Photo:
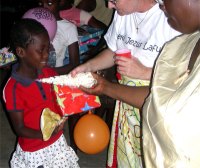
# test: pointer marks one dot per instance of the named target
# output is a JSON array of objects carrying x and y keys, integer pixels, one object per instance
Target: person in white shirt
[{"x": 141, "y": 27}]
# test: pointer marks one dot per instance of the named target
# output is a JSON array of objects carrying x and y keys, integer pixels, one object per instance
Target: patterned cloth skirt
[
  {"x": 125, "y": 148},
  {"x": 57, "y": 155}
]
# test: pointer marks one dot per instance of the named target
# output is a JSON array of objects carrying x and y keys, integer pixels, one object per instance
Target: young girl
[{"x": 25, "y": 98}]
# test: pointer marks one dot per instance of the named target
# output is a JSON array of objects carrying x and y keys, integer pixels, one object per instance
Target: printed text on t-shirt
[{"x": 135, "y": 43}]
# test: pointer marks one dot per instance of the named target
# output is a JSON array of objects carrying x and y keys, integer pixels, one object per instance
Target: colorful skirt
[
  {"x": 58, "y": 154},
  {"x": 125, "y": 147}
]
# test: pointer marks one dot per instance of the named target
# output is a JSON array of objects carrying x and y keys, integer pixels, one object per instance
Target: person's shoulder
[
  {"x": 157, "y": 13},
  {"x": 66, "y": 24},
  {"x": 73, "y": 9},
  {"x": 9, "y": 87},
  {"x": 84, "y": 12},
  {"x": 11, "y": 82},
  {"x": 117, "y": 19},
  {"x": 187, "y": 37},
  {"x": 67, "y": 28},
  {"x": 70, "y": 12}
]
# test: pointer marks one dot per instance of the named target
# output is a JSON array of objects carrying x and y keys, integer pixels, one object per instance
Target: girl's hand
[
  {"x": 132, "y": 68},
  {"x": 60, "y": 126}
]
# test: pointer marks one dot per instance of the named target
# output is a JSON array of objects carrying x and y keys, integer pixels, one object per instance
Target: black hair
[{"x": 22, "y": 32}]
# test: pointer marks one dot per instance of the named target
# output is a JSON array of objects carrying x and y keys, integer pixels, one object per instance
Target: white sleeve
[
  {"x": 66, "y": 34},
  {"x": 84, "y": 17},
  {"x": 72, "y": 34},
  {"x": 111, "y": 35}
]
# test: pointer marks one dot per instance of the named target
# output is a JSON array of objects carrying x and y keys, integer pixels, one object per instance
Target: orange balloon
[{"x": 91, "y": 134}]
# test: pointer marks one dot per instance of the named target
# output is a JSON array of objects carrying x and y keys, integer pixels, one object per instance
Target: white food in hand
[{"x": 85, "y": 79}]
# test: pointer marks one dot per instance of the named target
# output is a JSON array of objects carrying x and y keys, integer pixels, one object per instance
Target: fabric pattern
[
  {"x": 73, "y": 100},
  {"x": 129, "y": 128},
  {"x": 57, "y": 155}
]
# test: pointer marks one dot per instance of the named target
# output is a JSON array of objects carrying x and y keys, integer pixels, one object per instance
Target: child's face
[
  {"x": 35, "y": 56},
  {"x": 52, "y": 5}
]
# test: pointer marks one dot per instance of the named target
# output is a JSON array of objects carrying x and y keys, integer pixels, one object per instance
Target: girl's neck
[
  {"x": 57, "y": 14},
  {"x": 27, "y": 72}
]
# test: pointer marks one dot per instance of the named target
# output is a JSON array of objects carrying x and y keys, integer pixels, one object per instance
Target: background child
[
  {"x": 65, "y": 41},
  {"x": 25, "y": 98},
  {"x": 96, "y": 8},
  {"x": 77, "y": 16}
]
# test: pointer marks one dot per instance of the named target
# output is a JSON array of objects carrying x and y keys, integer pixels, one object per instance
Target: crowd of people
[
  {"x": 155, "y": 123},
  {"x": 170, "y": 122}
]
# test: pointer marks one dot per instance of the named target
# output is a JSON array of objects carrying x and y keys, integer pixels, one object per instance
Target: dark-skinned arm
[
  {"x": 87, "y": 5},
  {"x": 74, "y": 59},
  {"x": 93, "y": 22},
  {"x": 17, "y": 119},
  {"x": 22, "y": 131},
  {"x": 129, "y": 94},
  {"x": 94, "y": 50}
]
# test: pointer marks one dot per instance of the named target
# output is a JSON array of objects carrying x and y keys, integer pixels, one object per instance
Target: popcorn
[
  {"x": 6, "y": 57},
  {"x": 85, "y": 79}
]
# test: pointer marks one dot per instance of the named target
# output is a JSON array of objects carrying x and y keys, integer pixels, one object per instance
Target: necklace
[{"x": 137, "y": 24}]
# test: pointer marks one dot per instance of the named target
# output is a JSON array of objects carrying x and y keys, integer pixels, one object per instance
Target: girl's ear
[{"x": 20, "y": 52}]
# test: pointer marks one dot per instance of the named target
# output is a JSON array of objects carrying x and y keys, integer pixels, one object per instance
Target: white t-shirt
[
  {"x": 145, "y": 44},
  {"x": 66, "y": 34}
]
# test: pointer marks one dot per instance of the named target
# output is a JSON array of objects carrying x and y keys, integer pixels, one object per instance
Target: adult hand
[
  {"x": 98, "y": 88},
  {"x": 132, "y": 68},
  {"x": 101, "y": 61},
  {"x": 81, "y": 68},
  {"x": 119, "y": 92}
]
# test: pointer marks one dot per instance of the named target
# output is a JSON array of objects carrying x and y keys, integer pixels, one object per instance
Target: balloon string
[{"x": 89, "y": 112}]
